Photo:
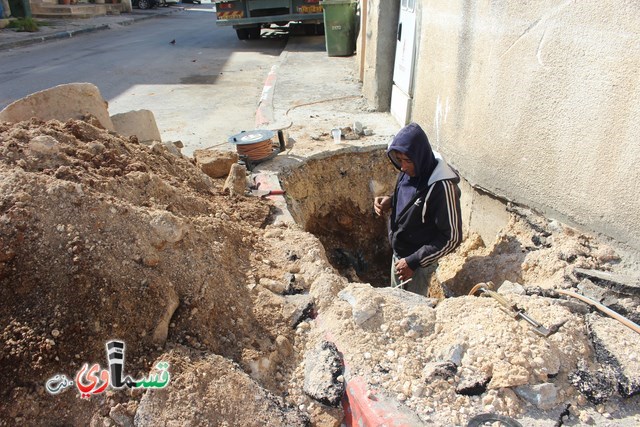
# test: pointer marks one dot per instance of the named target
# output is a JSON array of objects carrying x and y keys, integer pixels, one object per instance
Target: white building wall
[{"x": 538, "y": 102}]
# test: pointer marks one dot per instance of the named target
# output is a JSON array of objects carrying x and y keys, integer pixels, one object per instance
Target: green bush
[{"x": 24, "y": 24}]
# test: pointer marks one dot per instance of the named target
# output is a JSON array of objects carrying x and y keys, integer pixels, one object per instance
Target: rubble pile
[{"x": 104, "y": 238}]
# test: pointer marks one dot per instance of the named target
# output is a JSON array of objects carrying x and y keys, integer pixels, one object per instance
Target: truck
[{"x": 248, "y": 17}]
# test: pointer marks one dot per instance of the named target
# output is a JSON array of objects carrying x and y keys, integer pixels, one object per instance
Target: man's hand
[
  {"x": 403, "y": 270},
  {"x": 381, "y": 204}
]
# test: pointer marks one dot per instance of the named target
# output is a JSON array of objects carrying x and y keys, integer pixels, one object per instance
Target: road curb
[
  {"x": 265, "y": 116},
  {"x": 83, "y": 30},
  {"x": 264, "y": 112}
]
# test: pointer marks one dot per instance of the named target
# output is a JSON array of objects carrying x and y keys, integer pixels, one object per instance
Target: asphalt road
[{"x": 202, "y": 89}]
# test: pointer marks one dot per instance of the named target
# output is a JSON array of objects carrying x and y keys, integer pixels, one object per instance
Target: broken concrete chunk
[
  {"x": 409, "y": 298},
  {"x": 362, "y": 307},
  {"x": 616, "y": 347},
  {"x": 236, "y": 183},
  {"x": 295, "y": 285},
  {"x": 508, "y": 287},
  {"x": 297, "y": 308},
  {"x": 215, "y": 163},
  {"x": 224, "y": 395},
  {"x": 121, "y": 416},
  {"x": 325, "y": 288},
  {"x": 454, "y": 354},
  {"x": 140, "y": 123},
  {"x": 158, "y": 147},
  {"x": 590, "y": 290},
  {"x": 442, "y": 370},
  {"x": 619, "y": 283},
  {"x": 596, "y": 386},
  {"x": 544, "y": 396},
  {"x": 358, "y": 128},
  {"x": 173, "y": 148},
  {"x": 323, "y": 380},
  {"x": 472, "y": 383},
  {"x": 63, "y": 102}
]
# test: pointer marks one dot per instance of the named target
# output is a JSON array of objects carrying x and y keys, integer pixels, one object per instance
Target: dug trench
[
  {"x": 105, "y": 238},
  {"x": 332, "y": 198}
]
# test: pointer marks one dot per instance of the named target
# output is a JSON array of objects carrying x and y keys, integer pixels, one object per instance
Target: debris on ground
[{"x": 104, "y": 238}]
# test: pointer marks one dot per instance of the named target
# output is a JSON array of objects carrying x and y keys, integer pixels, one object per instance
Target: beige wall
[
  {"x": 377, "y": 43},
  {"x": 539, "y": 103}
]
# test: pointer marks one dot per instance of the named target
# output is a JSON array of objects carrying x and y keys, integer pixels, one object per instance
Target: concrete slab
[{"x": 63, "y": 102}]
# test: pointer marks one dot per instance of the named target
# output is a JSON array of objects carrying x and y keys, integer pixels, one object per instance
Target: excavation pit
[{"x": 332, "y": 198}]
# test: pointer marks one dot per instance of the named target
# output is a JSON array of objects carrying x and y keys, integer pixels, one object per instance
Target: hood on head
[{"x": 413, "y": 142}]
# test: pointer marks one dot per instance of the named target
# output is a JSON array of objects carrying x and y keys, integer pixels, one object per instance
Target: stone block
[
  {"x": 236, "y": 183},
  {"x": 140, "y": 123},
  {"x": 544, "y": 396},
  {"x": 508, "y": 287},
  {"x": 215, "y": 163},
  {"x": 63, "y": 102}
]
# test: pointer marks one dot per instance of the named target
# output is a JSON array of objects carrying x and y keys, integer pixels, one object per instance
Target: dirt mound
[{"x": 106, "y": 238}]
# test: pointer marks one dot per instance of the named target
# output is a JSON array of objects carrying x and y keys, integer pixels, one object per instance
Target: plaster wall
[
  {"x": 380, "y": 46},
  {"x": 538, "y": 103}
]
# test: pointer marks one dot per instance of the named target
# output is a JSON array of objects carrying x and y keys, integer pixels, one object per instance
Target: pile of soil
[{"x": 104, "y": 238}]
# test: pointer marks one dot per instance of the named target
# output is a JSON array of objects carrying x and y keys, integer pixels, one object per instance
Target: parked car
[{"x": 144, "y": 4}]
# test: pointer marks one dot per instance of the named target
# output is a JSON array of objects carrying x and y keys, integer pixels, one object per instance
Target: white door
[{"x": 402, "y": 91}]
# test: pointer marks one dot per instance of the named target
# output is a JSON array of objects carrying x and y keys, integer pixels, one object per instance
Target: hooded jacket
[{"x": 425, "y": 222}]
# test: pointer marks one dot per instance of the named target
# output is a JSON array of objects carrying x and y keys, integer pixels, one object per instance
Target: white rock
[{"x": 362, "y": 308}]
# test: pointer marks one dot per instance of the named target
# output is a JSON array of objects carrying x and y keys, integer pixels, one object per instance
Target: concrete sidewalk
[
  {"x": 65, "y": 28},
  {"x": 309, "y": 93}
]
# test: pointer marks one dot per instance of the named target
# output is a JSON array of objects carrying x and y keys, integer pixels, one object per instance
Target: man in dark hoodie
[{"x": 425, "y": 222}]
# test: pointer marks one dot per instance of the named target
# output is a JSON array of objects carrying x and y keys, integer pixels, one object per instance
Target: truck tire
[
  {"x": 248, "y": 33},
  {"x": 313, "y": 29},
  {"x": 242, "y": 33},
  {"x": 254, "y": 33}
]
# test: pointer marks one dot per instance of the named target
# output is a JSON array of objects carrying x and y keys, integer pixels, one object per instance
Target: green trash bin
[{"x": 340, "y": 26}]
